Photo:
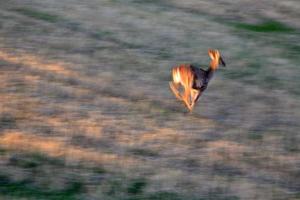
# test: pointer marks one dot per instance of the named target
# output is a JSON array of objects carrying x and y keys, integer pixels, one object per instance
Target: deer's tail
[{"x": 176, "y": 75}]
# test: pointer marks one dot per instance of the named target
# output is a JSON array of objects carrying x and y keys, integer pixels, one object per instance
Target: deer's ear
[
  {"x": 217, "y": 54},
  {"x": 211, "y": 54}
]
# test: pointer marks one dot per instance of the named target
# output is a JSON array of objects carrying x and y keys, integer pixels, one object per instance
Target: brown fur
[{"x": 184, "y": 76}]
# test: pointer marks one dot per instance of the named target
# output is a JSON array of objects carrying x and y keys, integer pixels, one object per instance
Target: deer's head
[{"x": 216, "y": 58}]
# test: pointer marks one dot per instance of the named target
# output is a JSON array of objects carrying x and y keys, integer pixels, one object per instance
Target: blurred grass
[
  {"x": 37, "y": 14},
  {"x": 101, "y": 34},
  {"x": 257, "y": 136},
  {"x": 7, "y": 121},
  {"x": 164, "y": 195},
  {"x": 35, "y": 184},
  {"x": 32, "y": 160},
  {"x": 135, "y": 191},
  {"x": 127, "y": 46},
  {"x": 136, "y": 186},
  {"x": 244, "y": 72},
  {"x": 23, "y": 189},
  {"x": 143, "y": 152},
  {"x": 2, "y": 151},
  {"x": 291, "y": 144}
]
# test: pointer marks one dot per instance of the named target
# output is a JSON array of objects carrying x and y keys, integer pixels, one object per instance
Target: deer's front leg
[
  {"x": 187, "y": 100},
  {"x": 195, "y": 94}
]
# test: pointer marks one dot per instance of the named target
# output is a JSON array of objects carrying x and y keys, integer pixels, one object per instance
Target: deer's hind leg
[
  {"x": 184, "y": 98},
  {"x": 174, "y": 89}
]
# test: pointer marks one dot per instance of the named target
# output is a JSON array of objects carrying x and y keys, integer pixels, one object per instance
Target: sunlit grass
[{"x": 96, "y": 128}]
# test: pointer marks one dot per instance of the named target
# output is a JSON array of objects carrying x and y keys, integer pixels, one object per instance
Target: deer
[{"x": 193, "y": 79}]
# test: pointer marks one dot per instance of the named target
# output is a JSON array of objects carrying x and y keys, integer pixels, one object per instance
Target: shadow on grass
[
  {"x": 256, "y": 136},
  {"x": 7, "y": 121},
  {"x": 33, "y": 160},
  {"x": 158, "y": 196},
  {"x": 134, "y": 189},
  {"x": 136, "y": 186},
  {"x": 2, "y": 151},
  {"x": 143, "y": 152}
]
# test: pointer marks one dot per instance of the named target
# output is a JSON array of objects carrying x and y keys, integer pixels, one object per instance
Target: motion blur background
[{"x": 86, "y": 111}]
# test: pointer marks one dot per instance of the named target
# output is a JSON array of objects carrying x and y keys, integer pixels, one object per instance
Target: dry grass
[{"x": 86, "y": 112}]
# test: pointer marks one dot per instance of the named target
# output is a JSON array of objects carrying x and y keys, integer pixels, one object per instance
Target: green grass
[
  {"x": 292, "y": 49},
  {"x": 164, "y": 54},
  {"x": 23, "y": 189},
  {"x": 110, "y": 36},
  {"x": 226, "y": 170},
  {"x": 268, "y": 26},
  {"x": 250, "y": 69},
  {"x": 219, "y": 194},
  {"x": 40, "y": 15},
  {"x": 100, "y": 35},
  {"x": 135, "y": 189},
  {"x": 291, "y": 144},
  {"x": 272, "y": 82},
  {"x": 137, "y": 186},
  {"x": 255, "y": 136},
  {"x": 2, "y": 151},
  {"x": 113, "y": 187},
  {"x": 147, "y": 1},
  {"x": 164, "y": 195},
  {"x": 158, "y": 196},
  {"x": 99, "y": 170}
]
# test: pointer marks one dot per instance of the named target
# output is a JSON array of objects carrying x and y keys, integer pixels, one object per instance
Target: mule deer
[{"x": 194, "y": 80}]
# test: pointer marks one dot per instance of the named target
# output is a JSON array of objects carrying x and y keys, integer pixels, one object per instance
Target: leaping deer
[{"x": 194, "y": 80}]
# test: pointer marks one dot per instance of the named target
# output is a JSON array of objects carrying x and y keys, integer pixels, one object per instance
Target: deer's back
[{"x": 201, "y": 78}]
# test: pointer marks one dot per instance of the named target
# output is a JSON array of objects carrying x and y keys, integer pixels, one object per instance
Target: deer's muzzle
[{"x": 222, "y": 62}]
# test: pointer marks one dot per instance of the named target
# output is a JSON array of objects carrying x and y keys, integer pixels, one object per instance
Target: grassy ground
[{"x": 86, "y": 112}]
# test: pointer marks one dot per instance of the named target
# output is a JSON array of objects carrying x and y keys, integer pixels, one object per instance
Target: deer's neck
[
  {"x": 212, "y": 68},
  {"x": 214, "y": 64},
  {"x": 210, "y": 72}
]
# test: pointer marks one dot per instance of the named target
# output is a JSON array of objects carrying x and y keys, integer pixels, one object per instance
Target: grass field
[{"x": 86, "y": 111}]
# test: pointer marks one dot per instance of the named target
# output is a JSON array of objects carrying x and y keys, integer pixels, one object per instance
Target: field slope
[{"x": 86, "y": 112}]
